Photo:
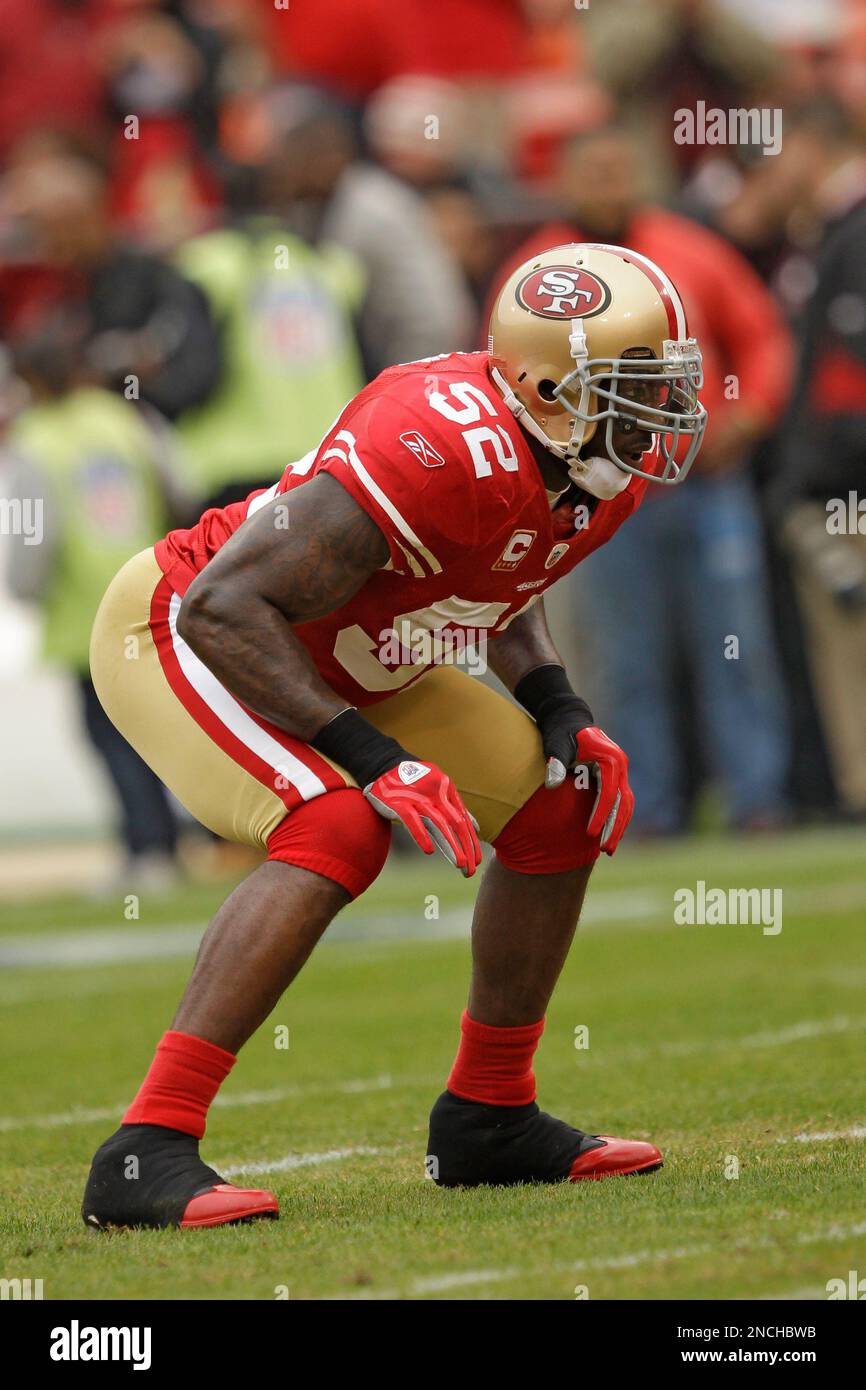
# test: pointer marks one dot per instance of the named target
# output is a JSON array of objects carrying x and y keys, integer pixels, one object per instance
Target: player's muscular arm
[
  {"x": 301, "y": 556},
  {"x": 525, "y": 644}
]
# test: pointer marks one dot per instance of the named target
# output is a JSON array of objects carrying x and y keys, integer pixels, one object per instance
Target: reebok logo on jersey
[
  {"x": 411, "y": 772},
  {"x": 422, "y": 449}
]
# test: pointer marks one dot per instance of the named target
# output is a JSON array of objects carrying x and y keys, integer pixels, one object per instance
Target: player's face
[{"x": 628, "y": 440}]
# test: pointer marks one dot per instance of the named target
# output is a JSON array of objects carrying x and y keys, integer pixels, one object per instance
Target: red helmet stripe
[{"x": 667, "y": 290}]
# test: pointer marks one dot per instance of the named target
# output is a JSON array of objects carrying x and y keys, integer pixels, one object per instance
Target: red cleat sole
[
  {"x": 620, "y": 1158},
  {"x": 226, "y": 1204}
]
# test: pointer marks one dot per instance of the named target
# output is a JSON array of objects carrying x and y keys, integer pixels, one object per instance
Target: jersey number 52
[{"x": 482, "y": 441}]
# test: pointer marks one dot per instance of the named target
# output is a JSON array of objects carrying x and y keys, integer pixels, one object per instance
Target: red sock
[
  {"x": 183, "y": 1079},
  {"x": 494, "y": 1065}
]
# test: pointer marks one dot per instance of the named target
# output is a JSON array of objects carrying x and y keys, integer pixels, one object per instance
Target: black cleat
[
  {"x": 146, "y": 1175},
  {"x": 471, "y": 1143}
]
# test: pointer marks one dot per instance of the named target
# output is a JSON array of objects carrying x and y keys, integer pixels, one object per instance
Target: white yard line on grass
[
  {"x": 267, "y": 1097},
  {"x": 780, "y": 1037},
  {"x": 834, "y": 1232},
  {"x": 626, "y": 910},
  {"x": 797, "y": 1032},
  {"x": 102, "y": 946},
  {"x": 442, "y": 1283},
  {"x": 68, "y": 1117},
  {"x": 285, "y": 1165},
  {"x": 19, "y": 989},
  {"x": 826, "y": 1136},
  {"x": 227, "y": 1102}
]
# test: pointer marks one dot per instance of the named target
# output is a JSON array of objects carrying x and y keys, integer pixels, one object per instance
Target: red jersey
[{"x": 433, "y": 455}]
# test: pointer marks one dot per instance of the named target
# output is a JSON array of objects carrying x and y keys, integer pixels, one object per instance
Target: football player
[{"x": 446, "y": 498}]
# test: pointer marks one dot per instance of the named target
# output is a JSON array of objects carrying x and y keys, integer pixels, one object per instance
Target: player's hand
[
  {"x": 429, "y": 805},
  {"x": 608, "y": 764}
]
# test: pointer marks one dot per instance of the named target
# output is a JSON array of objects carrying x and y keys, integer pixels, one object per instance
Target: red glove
[
  {"x": 429, "y": 805},
  {"x": 614, "y": 803}
]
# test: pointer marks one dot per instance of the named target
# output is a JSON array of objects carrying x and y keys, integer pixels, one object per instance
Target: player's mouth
[
  {"x": 629, "y": 446},
  {"x": 634, "y": 455}
]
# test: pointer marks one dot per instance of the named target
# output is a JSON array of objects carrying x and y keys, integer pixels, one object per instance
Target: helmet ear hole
[{"x": 547, "y": 389}]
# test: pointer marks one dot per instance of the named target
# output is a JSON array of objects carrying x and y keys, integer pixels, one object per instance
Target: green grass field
[{"x": 730, "y": 1048}]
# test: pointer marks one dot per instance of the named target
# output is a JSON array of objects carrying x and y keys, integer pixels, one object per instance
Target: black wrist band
[
  {"x": 352, "y": 741},
  {"x": 547, "y": 689}
]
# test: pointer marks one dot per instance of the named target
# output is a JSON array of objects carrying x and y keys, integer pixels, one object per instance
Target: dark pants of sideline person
[{"x": 148, "y": 823}]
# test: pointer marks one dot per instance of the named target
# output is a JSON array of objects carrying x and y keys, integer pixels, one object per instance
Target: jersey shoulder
[
  {"x": 439, "y": 431},
  {"x": 431, "y": 452}
]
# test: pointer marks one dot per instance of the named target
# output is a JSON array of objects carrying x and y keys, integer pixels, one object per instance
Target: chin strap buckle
[{"x": 577, "y": 342}]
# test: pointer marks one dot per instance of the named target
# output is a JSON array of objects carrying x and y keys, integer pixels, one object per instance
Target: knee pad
[
  {"x": 337, "y": 835},
  {"x": 548, "y": 834}
]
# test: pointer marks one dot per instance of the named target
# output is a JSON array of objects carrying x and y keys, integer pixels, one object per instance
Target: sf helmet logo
[{"x": 563, "y": 292}]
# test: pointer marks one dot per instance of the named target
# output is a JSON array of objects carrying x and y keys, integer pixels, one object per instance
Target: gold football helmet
[{"x": 587, "y": 334}]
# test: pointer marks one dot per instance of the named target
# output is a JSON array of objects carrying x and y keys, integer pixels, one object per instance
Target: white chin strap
[
  {"x": 569, "y": 452},
  {"x": 520, "y": 412},
  {"x": 599, "y": 477}
]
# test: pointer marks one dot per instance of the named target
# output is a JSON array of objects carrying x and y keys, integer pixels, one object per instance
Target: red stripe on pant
[{"x": 217, "y": 731}]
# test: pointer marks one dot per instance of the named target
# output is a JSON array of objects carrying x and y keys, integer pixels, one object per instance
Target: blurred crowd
[{"x": 219, "y": 218}]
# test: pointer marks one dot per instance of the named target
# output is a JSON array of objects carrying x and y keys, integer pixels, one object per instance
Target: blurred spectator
[
  {"x": 50, "y": 65},
  {"x": 558, "y": 94},
  {"x": 687, "y": 574},
  {"x": 822, "y": 448},
  {"x": 418, "y": 128},
  {"x": 463, "y": 222},
  {"x": 354, "y": 46},
  {"x": 162, "y": 98},
  {"x": 312, "y": 180},
  {"x": 87, "y": 472},
  {"x": 286, "y": 311},
  {"x": 424, "y": 130},
  {"x": 658, "y": 58},
  {"x": 151, "y": 332}
]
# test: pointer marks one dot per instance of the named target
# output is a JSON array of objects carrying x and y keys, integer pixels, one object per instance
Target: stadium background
[{"x": 170, "y": 150}]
